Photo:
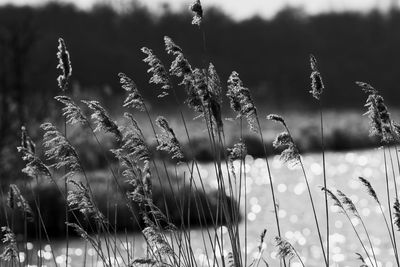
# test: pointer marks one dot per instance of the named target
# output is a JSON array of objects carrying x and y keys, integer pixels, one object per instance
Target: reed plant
[{"x": 169, "y": 243}]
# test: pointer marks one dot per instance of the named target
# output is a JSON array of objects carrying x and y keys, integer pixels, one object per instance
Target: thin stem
[
  {"x": 390, "y": 209},
  {"x": 324, "y": 173}
]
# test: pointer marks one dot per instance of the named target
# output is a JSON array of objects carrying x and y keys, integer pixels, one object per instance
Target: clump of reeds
[{"x": 166, "y": 245}]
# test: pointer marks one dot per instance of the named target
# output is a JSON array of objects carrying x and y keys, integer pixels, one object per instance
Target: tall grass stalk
[
  {"x": 292, "y": 155},
  {"x": 351, "y": 208},
  {"x": 317, "y": 88},
  {"x": 390, "y": 208},
  {"x": 343, "y": 210},
  {"x": 373, "y": 194}
]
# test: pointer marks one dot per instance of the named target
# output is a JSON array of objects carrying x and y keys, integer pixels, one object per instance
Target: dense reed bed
[{"x": 135, "y": 175}]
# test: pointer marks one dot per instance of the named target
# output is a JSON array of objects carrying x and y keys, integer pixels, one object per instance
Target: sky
[{"x": 241, "y": 9}]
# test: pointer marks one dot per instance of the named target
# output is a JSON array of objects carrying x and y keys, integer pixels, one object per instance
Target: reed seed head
[
  {"x": 158, "y": 71},
  {"x": 80, "y": 199},
  {"x": 16, "y": 200},
  {"x": 370, "y": 189},
  {"x": 64, "y": 64},
  {"x": 291, "y": 153},
  {"x": 317, "y": 85},
  {"x": 380, "y": 123},
  {"x": 103, "y": 120},
  {"x": 134, "y": 98},
  {"x": 197, "y": 9},
  {"x": 10, "y": 249},
  {"x": 59, "y": 149},
  {"x": 71, "y": 111},
  {"x": 276, "y": 118},
  {"x": 396, "y": 219},
  {"x": 285, "y": 249},
  {"x": 167, "y": 139},
  {"x": 241, "y": 100}
]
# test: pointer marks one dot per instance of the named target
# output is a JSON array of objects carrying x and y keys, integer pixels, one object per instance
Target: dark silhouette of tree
[{"x": 270, "y": 55}]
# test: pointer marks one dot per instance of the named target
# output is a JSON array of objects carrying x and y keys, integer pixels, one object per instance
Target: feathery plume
[
  {"x": 34, "y": 166},
  {"x": 157, "y": 244},
  {"x": 214, "y": 83},
  {"x": 239, "y": 151},
  {"x": 291, "y": 153},
  {"x": 396, "y": 129},
  {"x": 262, "y": 237},
  {"x": 143, "y": 261},
  {"x": 167, "y": 139},
  {"x": 102, "y": 120},
  {"x": 79, "y": 199},
  {"x": 369, "y": 188},
  {"x": 16, "y": 200},
  {"x": 361, "y": 258},
  {"x": 10, "y": 249},
  {"x": 159, "y": 73},
  {"x": 276, "y": 118},
  {"x": 241, "y": 101},
  {"x": 367, "y": 88},
  {"x": 180, "y": 67},
  {"x": 196, "y": 8},
  {"x": 146, "y": 180},
  {"x": 204, "y": 94},
  {"x": 198, "y": 94},
  {"x": 335, "y": 199},
  {"x": 64, "y": 64},
  {"x": 133, "y": 142},
  {"x": 85, "y": 236},
  {"x": 171, "y": 47},
  {"x": 215, "y": 91},
  {"x": 59, "y": 149},
  {"x": 71, "y": 111},
  {"x": 348, "y": 203},
  {"x": 134, "y": 98},
  {"x": 26, "y": 141},
  {"x": 317, "y": 86},
  {"x": 285, "y": 250},
  {"x": 396, "y": 207},
  {"x": 380, "y": 123},
  {"x": 230, "y": 261}
]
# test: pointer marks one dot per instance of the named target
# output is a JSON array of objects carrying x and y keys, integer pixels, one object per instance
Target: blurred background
[{"x": 267, "y": 42}]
